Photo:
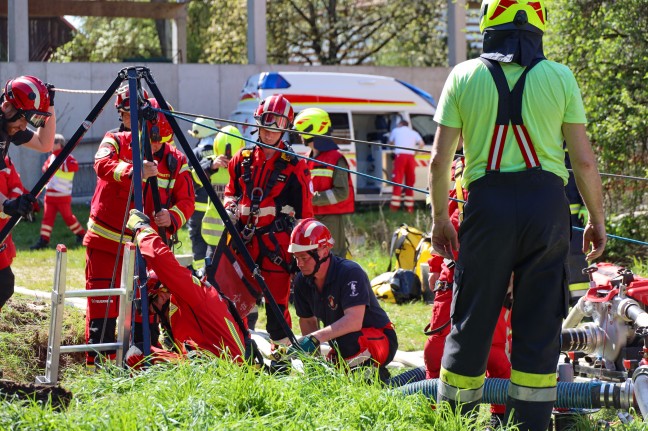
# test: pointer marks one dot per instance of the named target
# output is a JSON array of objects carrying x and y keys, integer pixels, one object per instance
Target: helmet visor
[
  {"x": 37, "y": 118},
  {"x": 270, "y": 119}
]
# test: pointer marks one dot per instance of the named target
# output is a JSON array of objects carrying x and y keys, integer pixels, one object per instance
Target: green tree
[
  {"x": 606, "y": 45},
  {"x": 217, "y": 31},
  {"x": 111, "y": 40},
  {"x": 421, "y": 40},
  {"x": 351, "y": 32}
]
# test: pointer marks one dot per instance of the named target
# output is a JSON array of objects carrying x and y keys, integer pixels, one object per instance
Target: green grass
[{"x": 211, "y": 394}]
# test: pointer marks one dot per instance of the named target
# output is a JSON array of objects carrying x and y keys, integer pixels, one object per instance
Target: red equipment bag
[{"x": 231, "y": 276}]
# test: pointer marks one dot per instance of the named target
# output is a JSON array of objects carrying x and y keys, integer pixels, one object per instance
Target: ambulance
[{"x": 363, "y": 110}]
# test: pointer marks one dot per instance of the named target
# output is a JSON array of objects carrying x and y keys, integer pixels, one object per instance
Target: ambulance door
[
  {"x": 426, "y": 126},
  {"x": 373, "y": 129}
]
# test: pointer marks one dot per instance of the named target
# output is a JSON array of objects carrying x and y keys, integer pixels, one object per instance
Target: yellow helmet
[
  {"x": 313, "y": 120},
  {"x": 514, "y": 14},
  {"x": 225, "y": 139}
]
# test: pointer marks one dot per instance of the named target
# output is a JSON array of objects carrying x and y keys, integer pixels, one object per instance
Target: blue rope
[{"x": 426, "y": 192}]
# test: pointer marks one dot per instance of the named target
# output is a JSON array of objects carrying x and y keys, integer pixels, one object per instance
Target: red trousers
[
  {"x": 61, "y": 205},
  {"x": 498, "y": 366},
  {"x": 404, "y": 168}
]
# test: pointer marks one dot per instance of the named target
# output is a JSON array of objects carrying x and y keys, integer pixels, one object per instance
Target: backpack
[
  {"x": 423, "y": 253},
  {"x": 397, "y": 287},
  {"x": 403, "y": 245}
]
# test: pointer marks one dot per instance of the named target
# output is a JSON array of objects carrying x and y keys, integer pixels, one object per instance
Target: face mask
[{"x": 22, "y": 137}]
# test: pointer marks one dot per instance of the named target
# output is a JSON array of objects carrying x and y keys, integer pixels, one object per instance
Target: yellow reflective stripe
[
  {"x": 180, "y": 214},
  {"x": 68, "y": 176},
  {"x": 463, "y": 382},
  {"x": 200, "y": 206},
  {"x": 112, "y": 142},
  {"x": 119, "y": 170},
  {"x": 144, "y": 232},
  {"x": 532, "y": 394},
  {"x": 166, "y": 183},
  {"x": 533, "y": 380},
  {"x": 579, "y": 286},
  {"x": 460, "y": 395},
  {"x": 196, "y": 281},
  {"x": 321, "y": 173},
  {"x": 106, "y": 233},
  {"x": 184, "y": 167},
  {"x": 195, "y": 177},
  {"x": 574, "y": 208},
  {"x": 235, "y": 335}
]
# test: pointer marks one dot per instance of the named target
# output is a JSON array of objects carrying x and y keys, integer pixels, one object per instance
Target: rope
[
  {"x": 67, "y": 90},
  {"x": 178, "y": 114}
]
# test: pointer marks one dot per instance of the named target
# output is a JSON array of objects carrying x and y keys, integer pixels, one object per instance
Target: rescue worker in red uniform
[
  {"x": 336, "y": 291},
  {"x": 267, "y": 191},
  {"x": 407, "y": 140},
  {"x": 58, "y": 197},
  {"x": 197, "y": 317},
  {"x": 441, "y": 278},
  {"x": 333, "y": 195},
  {"x": 108, "y": 212},
  {"x": 26, "y": 100},
  {"x": 11, "y": 188}
]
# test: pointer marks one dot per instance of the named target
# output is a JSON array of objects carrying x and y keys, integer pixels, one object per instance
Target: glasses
[
  {"x": 35, "y": 118},
  {"x": 270, "y": 119}
]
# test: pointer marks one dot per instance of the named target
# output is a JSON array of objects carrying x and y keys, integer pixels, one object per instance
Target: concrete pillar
[
  {"x": 456, "y": 32},
  {"x": 179, "y": 36},
  {"x": 18, "y": 30},
  {"x": 256, "y": 32}
]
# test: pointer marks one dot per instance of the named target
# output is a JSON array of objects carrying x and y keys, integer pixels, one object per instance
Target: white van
[{"x": 363, "y": 107}]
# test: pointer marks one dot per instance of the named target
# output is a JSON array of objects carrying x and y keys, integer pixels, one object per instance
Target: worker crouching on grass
[
  {"x": 198, "y": 316},
  {"x": 336, "y": 291}
]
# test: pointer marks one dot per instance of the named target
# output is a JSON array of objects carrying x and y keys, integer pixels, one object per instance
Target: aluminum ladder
[{"x": 125, "y": 292}]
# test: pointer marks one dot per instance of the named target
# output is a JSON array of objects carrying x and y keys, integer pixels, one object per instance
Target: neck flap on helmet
[
  {"x": 512, "y": 46},
  {"x": 324, "y": 143}
]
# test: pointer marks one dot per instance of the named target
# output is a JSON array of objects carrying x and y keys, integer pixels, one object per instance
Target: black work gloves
[{"x": 20, "y": 206}]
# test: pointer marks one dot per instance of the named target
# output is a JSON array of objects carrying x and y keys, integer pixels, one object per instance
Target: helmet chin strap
[{"x": 318, "y": 262}]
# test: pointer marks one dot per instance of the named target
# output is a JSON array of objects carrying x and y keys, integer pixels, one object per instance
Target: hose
[{"x": 590, "y": 395}]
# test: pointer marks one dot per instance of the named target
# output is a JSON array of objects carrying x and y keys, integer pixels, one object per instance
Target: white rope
[{"x": 67, "y": 90}]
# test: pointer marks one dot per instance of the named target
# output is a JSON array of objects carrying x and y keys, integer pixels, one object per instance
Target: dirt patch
[
  {"x": 24, "y": 324},
  {"x": 59, "y": 397}
]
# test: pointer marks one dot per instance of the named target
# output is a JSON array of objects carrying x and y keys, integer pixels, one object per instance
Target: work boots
[{"x": 40, "y": 244}]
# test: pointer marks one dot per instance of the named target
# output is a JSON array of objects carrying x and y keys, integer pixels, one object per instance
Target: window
[{"x": 425, "y": 125}]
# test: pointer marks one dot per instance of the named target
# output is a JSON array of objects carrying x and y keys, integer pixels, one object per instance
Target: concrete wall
[{"x": 205, "y": 89}]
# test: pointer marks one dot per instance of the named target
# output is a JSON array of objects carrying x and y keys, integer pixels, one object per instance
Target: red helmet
[
  {"x": 29, "y": 95},
  {"x": 122, "y": 102},
  {"x": 310, "y": 234},
  {"x": 275, "y": 111},
  {"x": 160, "y": 129}
]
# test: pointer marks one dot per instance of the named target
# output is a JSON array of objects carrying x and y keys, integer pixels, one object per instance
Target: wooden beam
[{"x": 111, "y": 9}]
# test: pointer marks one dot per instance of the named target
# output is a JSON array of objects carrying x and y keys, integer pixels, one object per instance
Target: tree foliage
[
  {"x": 217, "y": 32},
  {"x": 354, "y": 32},
  {"x": 111, "y": 40},
  {"x": 606, "y": 45}
]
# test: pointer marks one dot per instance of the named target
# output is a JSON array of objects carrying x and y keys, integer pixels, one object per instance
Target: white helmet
[{"x": 202, "y": 128}]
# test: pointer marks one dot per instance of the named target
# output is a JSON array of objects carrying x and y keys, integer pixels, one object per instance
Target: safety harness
[
  {"x": 509, "y": 110},
  {"x": 282, "y": 222}
]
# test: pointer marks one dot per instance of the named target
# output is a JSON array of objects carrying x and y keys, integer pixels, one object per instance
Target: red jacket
[
  {"x": 10, "y": 187},
  {"x": 114, "y": 166},
  {"x": 290, "y": 194},
  {"x": 198, "y": 314},
  {"x": 323, "y": 175}
]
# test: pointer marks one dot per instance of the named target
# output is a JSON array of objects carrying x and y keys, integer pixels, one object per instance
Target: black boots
[{"x": 40, "y": 244}]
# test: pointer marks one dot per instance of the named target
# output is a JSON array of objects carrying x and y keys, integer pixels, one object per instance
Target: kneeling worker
[
  {"x": 198, "y": 316},
  {"x": 337, "y": 292}
]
